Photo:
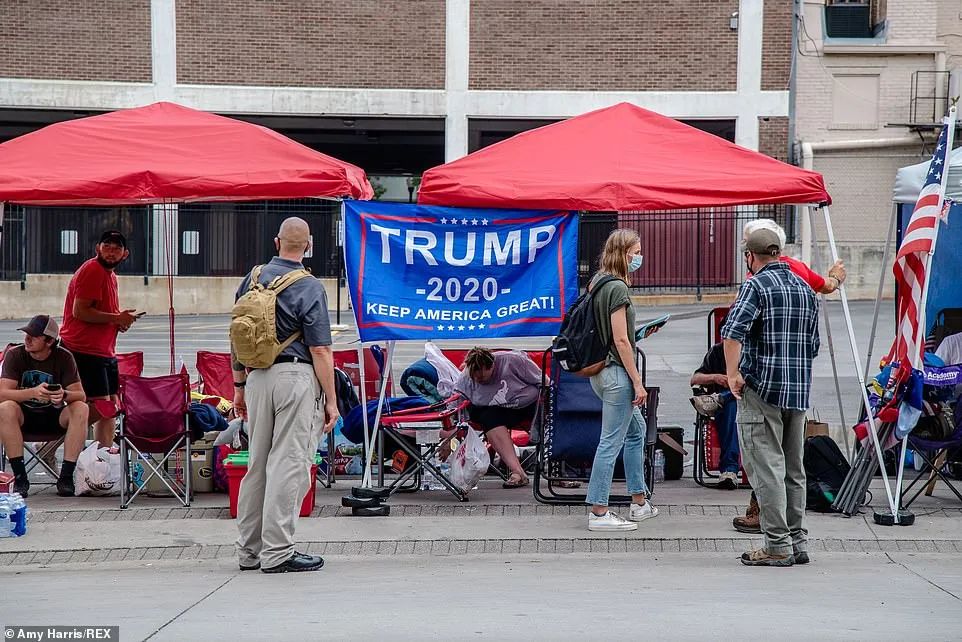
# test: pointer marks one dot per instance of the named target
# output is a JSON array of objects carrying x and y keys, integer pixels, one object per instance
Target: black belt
[{"x": 287, "y": 358}]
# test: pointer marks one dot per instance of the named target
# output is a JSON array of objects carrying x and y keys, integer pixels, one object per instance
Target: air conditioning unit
[{"x": 848, "y": 20}]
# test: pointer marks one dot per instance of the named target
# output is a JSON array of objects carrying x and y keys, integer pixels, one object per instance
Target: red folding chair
[
  {"x": 130, "y": 364},
  {"x": 154, "y": 423},
  {"x": 215, "y": 373},
  {"x": 347, "y": 361}
]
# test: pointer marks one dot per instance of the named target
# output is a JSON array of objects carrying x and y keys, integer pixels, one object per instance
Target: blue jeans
[
  {"x": 727, "y": 429},
  {"x": 621, "y": 425}
]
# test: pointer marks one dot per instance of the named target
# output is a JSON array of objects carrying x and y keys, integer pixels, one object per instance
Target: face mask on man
[{"x": 635, "y": 262}]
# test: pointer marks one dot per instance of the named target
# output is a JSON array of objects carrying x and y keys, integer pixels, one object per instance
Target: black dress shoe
[
  {"x": 21, "y": 485},
  {"x": 297, "y": 563},
  {"x": 65, "y": 487}
]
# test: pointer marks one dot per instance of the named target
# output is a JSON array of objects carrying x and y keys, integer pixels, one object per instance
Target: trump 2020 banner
[{"x": 426, "y": 272}]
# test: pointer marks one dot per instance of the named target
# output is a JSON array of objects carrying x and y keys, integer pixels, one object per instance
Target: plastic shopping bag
[
  {"x": 448, "y": 373},
  {"x": 98, "y": 471},
  {"x": 469, "y": 461}
]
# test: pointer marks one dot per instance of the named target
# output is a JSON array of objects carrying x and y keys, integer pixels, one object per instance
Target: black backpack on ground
[
  {"x": 578, "y": 347},
  {"x": 825, "y": 470}
]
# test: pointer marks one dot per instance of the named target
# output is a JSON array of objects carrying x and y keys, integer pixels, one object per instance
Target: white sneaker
[
  {"x": 641, "y": 513},
  {"x": 609, "y": 522}
]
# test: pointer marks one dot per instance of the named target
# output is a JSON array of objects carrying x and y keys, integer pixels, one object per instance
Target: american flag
[{"x": 910, "y": 263}]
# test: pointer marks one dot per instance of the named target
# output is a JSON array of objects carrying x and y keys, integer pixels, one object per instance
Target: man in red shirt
[{"x": 91, "y": 319}]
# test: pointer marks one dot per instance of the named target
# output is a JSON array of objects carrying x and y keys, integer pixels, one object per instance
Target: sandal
[{"x": 515, "y": 481}]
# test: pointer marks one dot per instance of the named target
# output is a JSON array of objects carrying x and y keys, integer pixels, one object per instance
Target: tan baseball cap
[{"x": 763, "y": 241}]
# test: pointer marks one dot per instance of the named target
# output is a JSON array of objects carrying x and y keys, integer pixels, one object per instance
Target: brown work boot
[
  {"x": 761, "y": 557},
  {"x": 749, "y": 523}
]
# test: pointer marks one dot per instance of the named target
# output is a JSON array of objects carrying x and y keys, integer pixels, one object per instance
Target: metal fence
[
  {"x": 210, "y": 239},
  {"x": 685, "y": 250}
]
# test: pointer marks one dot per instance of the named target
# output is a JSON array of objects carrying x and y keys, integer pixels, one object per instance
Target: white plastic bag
[
  {"x": 469, "y": 461},
  {"x": 98, "y": 471},
  {"x": 448, "y": 373}
]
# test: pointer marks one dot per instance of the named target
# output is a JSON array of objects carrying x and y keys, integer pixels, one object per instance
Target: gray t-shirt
[
  {"x": 514, "y": 383},
  {"x": 301, "y": 306}
]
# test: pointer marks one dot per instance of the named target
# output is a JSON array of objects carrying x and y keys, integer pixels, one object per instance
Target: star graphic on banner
[
  {"x": 471, "y": 327},
  {"x": 481, "y": 326},
  {"x": 440, "y": 327},
  {"x": 939, "y": 148},
  {"x": 484, "y": 221},
  {"x": 451, "y": 327},
  {"x": 938, "y": 175},
  {"x": 461, "y": 327},
  {"x": 464, "y": 221},
  {"x": 444, "y": 221},
  {"x": 937, "y": 161},
  {"x": 474, "y": 221},
  {"x": 454, "y": 221}
]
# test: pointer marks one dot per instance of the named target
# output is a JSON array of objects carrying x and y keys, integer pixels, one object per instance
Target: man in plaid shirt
[{"x": 770, "y": 338}]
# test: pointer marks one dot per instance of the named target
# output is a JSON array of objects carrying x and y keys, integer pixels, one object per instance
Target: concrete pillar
[{"x": 456, "y": 69}]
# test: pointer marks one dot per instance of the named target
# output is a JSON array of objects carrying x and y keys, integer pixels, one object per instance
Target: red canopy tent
[
  {"x": 619, "y": 158},
  {"x": 165, "y": 153}
]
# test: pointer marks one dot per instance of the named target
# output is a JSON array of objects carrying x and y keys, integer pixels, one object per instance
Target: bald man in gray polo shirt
[{"x": 287, "y": 413}]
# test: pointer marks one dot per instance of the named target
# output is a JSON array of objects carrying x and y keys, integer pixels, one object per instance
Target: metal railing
[
  {"x": 685, "y": 250},
  {"x": 206, "y": 239}
]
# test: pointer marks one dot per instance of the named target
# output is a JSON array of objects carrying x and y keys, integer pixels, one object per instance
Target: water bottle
[
  {"x": 659, "y": 465},
  {"x": 18, "y": 514},
  {"x": 6, "y": 524}
]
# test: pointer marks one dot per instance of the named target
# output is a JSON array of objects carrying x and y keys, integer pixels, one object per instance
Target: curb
[{"x": 446, "y": 547}]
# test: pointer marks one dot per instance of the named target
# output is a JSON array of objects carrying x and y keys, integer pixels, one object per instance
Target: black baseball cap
[
  {"x": 114, "y": 236},
  {"x": 42, "y": 326}
]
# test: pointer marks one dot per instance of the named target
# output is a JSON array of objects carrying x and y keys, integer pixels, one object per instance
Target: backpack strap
[
  {"x": 255, "y": 277},
  {"x": 281, "y": 283},
  {"x": 604, "y": 280},
  {"x": 278, "y": 285}
]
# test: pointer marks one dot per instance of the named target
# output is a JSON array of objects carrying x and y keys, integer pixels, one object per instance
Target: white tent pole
[
  {"x": 366, "y": 479},
  {"x": 831, "y": 345},
  {"x": 881, "y": 286},
  {"x": 858, "y": 371},
  {"x": 377, "y": 414}
]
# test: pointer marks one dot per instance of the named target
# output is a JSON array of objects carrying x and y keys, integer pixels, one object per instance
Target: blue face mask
[{"x": 635, "y": 262}]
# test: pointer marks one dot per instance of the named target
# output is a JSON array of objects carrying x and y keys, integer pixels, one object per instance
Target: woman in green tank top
[{"x": 620, "y": 389}]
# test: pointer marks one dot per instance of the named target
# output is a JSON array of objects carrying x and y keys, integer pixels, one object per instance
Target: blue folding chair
[{"x": 570, "y": 428}]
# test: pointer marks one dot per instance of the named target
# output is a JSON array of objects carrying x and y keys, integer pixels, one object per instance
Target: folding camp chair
[
  {"x": 570, "y": 429},
  {"x": 426, "y": 423},
  {"x": 33, "y": 457},
  {"x": 154, "y": 422},
  {"x": 130, "y": 363},
  {"x": 216, "y": 378},
  {"x": 934, "y": 454}
]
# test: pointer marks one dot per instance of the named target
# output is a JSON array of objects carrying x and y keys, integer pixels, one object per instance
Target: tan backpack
[{"x": 253, "y": 327}]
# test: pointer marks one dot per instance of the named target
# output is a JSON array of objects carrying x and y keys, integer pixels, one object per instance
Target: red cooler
[{"x": 236, "y": 467}]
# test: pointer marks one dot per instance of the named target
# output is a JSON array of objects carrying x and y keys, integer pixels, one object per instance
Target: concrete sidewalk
[{"x": 496, "y": 521}]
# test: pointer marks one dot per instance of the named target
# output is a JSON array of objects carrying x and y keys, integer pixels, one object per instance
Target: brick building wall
[
  {"x": 773, "y": 137},
  {"x": 312, "y": 43},
  {"x": 776, "y": 45},
  {"x": 102, "y": 40},
  {"x": 613, "y": 45}
]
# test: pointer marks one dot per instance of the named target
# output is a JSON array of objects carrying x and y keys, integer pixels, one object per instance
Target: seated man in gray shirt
[{"x": 503, "y": 389}]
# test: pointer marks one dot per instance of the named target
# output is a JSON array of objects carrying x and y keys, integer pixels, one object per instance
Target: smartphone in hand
[{"x": 53, "y": 387}]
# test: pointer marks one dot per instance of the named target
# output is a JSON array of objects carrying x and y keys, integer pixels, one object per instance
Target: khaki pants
[
  {"x": 283, "y": 405},
  {"x": 772, "y": 441}
]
